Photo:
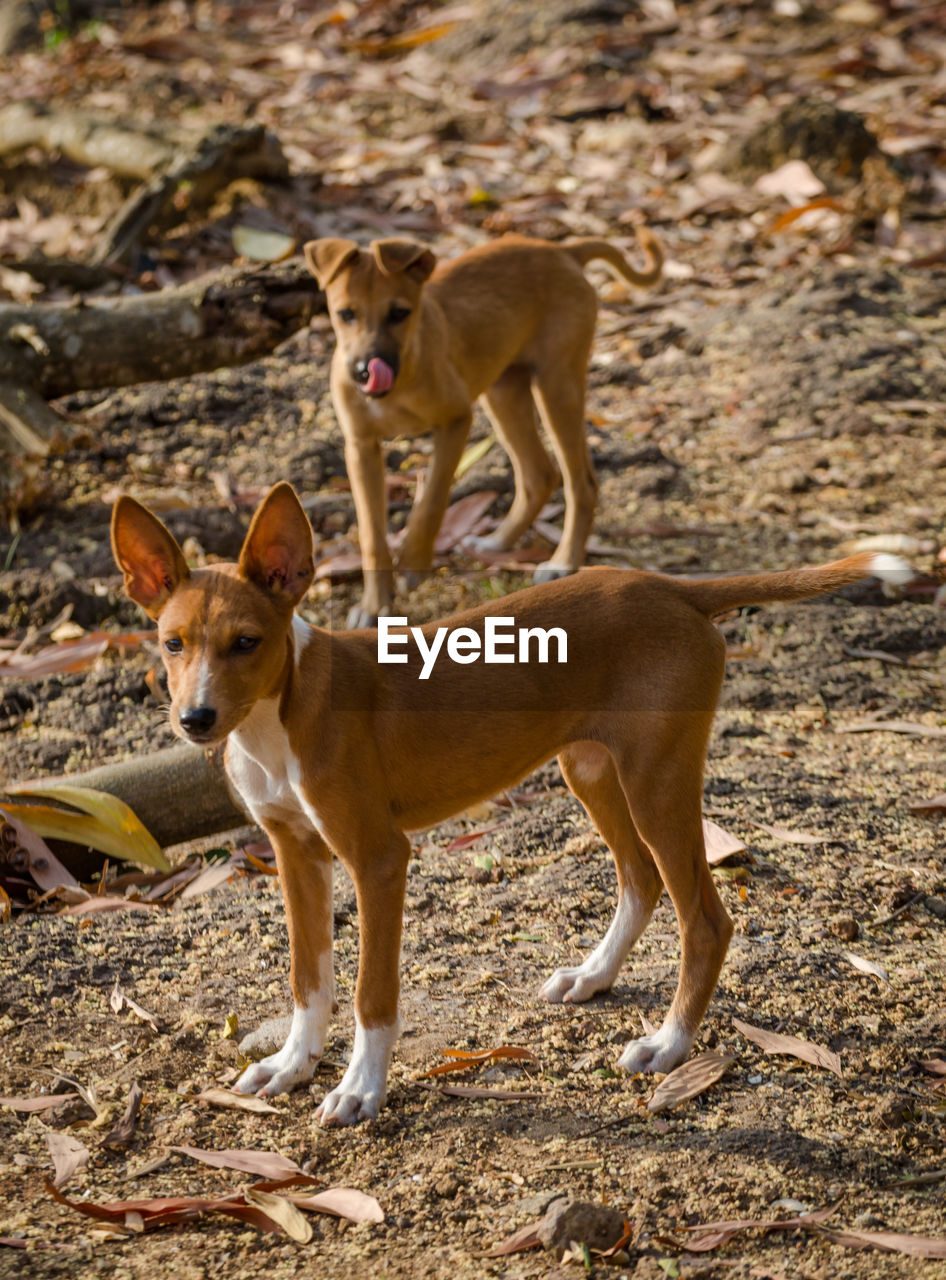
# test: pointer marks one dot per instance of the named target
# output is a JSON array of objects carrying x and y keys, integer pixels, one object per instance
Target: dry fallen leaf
[
  {"x": 342, "y": 1202},
  {"x": 282, "y": 1211},
  {"x": 526, "y": 1237},
  {"x": 122, "y": 1132},
  {"x": 262, "y": 1164},
  {"x": 236, "y": 1101},
  {"x": 866, "y": 966},
  {"x": 796, "y": 837},
  {"x": 893, "y": 726},
  {"x": 43, "y": 1102},
  {"x": 461, "y": 518},
  {"x": 68, "y": 1154},
  {"x": 464, "y": 1058},
  {"x": 889, "y": 1242},
  {"x": 692, "y": 1078},
  {"x": 710, "y": 1235},
  {"x": 720, "y": 844},
  {"x": 773, "y": 1042}
]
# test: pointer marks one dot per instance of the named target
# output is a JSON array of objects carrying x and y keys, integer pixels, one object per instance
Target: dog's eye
[
  {"x": 245, "y": 644},
  {"x": 397, "y": 313},
  {"x": 346, "y": 315},
  {"x": 174, "y": 644}
]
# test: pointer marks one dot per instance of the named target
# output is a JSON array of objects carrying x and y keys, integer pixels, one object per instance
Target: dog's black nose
[
  {"x": 197, "y": 720},
  {"x": 360, "y": 370}
]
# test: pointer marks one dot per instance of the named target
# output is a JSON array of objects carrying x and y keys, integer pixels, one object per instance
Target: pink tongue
[{"x": 380, "y": 377}]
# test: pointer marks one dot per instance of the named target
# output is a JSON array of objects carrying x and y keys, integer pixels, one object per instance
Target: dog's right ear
[
  {"x": 394, "y": 256},
  {"x": 151, "y": 561},
  {"x": 328, "y": 258}
]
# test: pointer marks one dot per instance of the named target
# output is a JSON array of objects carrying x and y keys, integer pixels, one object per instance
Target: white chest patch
[{"x": 262, "y": 765}]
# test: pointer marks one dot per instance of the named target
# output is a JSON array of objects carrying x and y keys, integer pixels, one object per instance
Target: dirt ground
[{"x": 782, "y": 394}]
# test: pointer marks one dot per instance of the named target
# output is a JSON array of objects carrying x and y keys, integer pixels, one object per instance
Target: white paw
[
  {"x": 363, "y": 1087},
  {"x": 279, "y": 1073},
  {"x": 342, "y": 1107},
  {"x": 548, "y": 571},
  {"x": 572, "y": 986},
  {"x": 662, "y": 1051}
]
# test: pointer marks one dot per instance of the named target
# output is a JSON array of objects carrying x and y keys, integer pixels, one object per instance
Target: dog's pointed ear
[
  {"x": 328, "y": 258},
  {"x": 393, "y": 256},
  {"x": 152, "y": 563},
  {"x": 278, "y": 554}
]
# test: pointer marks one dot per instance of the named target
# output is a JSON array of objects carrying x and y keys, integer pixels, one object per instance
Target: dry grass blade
[
  {"x": 792, "y": 1046},
  {"x": 893, "y": 726},
  {"x": 689, "y": 1080},
  {"x": 473, "y": 454},
  {"x": 483, "y": 1091},
  {"x": 937, "y": 804}
]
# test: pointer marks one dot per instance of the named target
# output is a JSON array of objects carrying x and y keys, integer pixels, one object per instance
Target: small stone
[
  {"x": 447, "y": 1186},
  {"x": 269, "y": 1037},
  {"x": 936, "y": 904},
  {"x": 844, "y": 926},
  {"x": 596, "y": 1225}
]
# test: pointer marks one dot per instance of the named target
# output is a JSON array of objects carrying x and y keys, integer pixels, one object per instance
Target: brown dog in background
[{"x": 418, "y": 342}]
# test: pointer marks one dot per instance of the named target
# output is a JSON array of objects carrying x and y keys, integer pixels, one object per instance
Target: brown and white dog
[
  {"x": 338, "y": 754},
  {"x": 418, "y": 342}
]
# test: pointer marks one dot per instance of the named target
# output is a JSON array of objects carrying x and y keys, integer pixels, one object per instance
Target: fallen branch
[
  {"x": 49, "y": 349},
  {"x": 179, "y": 793}
]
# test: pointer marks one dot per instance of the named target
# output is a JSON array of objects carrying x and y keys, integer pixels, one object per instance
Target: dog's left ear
[
  {"x": 394, "y": 256},
  {"x": 328, "y": 258},
  {"x": 152, "y": 563},
  {"x": 277, "y": 555}
]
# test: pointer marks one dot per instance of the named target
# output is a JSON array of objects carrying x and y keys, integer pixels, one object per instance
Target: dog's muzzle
[{"x": 374, "y": 376}]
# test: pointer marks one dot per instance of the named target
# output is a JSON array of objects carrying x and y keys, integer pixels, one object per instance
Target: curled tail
[
  {"x": 590, "y": 250},
  {"x": 716, "y": 595}
]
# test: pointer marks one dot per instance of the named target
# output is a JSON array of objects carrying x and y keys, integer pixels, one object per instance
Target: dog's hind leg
[
  {"x": 662, "y": 779},
  {"x": 511, "y": 409},
  {"x": 590, "y": 773},
  {"x": 560, "y": 393}
]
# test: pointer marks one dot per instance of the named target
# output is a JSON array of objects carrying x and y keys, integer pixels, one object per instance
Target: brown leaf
[
  {"x": 165, "y": 1211},
  {"x": 342, "y": 1202},
  {"x": 689, "y": 1080},
  {"x": 122, "y": 1132},
  {"x": 713, "y": 1234},
  {"x": 462, "y": 517},
  {"x": 935, "y": 1066},
  {"x": 720, "y": 844},
  {"x": 889, "y": 1242},
  {"x": 464, "y": 1058},
  {"x": 98, "y": 903},
  {"x": 526, "y": 1237},
  {"x": 43, "y": 865},
  {"x": 282, "y": 1211},
  {"x": 68, "y": 1154},
  {"x": 773, "y": 1042},
  {"x": 261, "y": 1164},
  {"x": 236, "y": 1101},
  {"x": 471, "y": 837},
  {"x": 42, "y": 1102}
]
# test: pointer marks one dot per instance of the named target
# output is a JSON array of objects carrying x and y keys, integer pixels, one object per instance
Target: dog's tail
[
  {"x": 589, "y": 250},
  {"x": 716, "y": 595}
]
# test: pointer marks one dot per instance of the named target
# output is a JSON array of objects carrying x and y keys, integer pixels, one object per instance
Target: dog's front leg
[
  {"x": 365, "y": 461},
  {"x": 380, "y": 880},
  {"x": 416, "y": 555},
  {"x": 305, "y": 875}
]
